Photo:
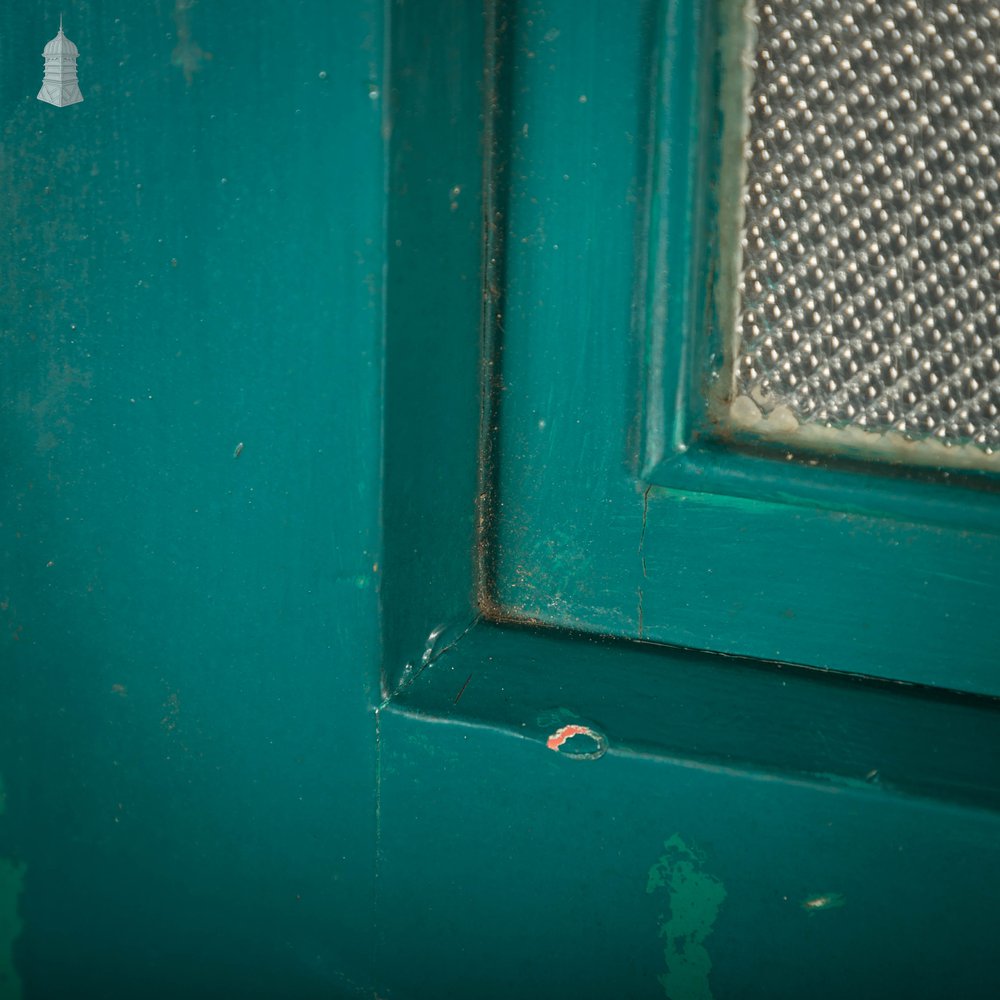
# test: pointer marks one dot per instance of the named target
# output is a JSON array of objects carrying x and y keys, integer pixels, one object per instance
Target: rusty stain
[
  {"x": 51, "y": 409},
  {"x": 562, "y": 735},
  {"x": 120, "y": 690},
  {"x": 188, "y": 55},
  {"x": 462, "y": 689},
  {"x": 173, "y": 710}
]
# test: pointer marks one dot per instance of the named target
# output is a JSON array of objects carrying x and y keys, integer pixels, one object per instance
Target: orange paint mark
[{"x": 560, "y": 736}]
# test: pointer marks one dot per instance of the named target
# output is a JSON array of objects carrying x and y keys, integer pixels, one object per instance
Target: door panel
[
  {"x": 250, "y": 748},
  {"x": 625, "y": 509}
]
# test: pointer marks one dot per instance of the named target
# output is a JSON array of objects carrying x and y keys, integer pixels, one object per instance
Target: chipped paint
[
  {"x": 11, "y": 886},
  {"x": 695, "y": 899},
  {"x": 824, "y": 901},
  {"x": 559, "y": 741}
]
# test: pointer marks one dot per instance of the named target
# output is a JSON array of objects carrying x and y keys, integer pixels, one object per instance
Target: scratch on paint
[
  {"x": 462, "y": 689},
  {"x": 695, "y": 899},
  {"x": 442, "y": 639},
  {"x": 642, "y": 534},
  {"x": 11, "y": 887}
]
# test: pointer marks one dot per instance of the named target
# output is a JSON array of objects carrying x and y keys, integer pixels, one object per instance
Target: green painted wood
[
  {"x": 714, "y": 711},
  {"x": 618, "y": 516},
  {"x": 189, "y": 631},
  {"x": 434, "y": 305},
  {"x": 204, "y": 791},
  {"x": 542, "y": 876}
]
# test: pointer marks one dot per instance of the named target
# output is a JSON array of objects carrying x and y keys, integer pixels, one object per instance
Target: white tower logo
[{"x": 59, "y": 87}]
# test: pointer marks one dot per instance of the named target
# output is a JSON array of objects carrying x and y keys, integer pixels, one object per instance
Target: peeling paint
[
  {"x": 11, "y": 887},
  {"x": 695, "y": 899}
]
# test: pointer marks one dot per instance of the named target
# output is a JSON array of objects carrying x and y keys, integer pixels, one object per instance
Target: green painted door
[
  {"x": 369, "y": 624},
  {"x": 191, "y": 332}
]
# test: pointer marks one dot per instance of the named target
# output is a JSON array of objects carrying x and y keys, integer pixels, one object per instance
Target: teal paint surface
[
  {"x": 434, "y": 304},
  {"x": 716, "y": 712},
  {"x": 190, "y": 639},
  {"x": 694, "y": 901},
  {"x": 196, "y": 634},
  {"x": 532, "y": 872},
  {"x": 791, "y": 787},
  {"x": 11, "y": 887}
]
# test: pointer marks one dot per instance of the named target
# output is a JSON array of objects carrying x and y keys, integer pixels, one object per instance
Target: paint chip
[
  {"x": 559, "y": 741},
  {"x": 824, "y": 901},
  {"x": 696, "y": 896}
]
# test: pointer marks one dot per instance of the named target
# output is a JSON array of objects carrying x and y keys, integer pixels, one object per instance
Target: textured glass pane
[{"x": 867, "y": 297}]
